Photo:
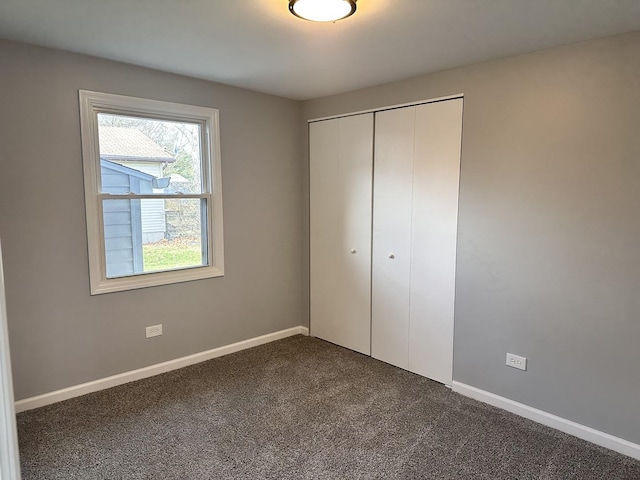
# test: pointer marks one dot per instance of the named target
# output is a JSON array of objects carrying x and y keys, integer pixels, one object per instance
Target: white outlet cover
[
  {"x": 154, "y": 331},
  {"x": 516, "y": 361}
]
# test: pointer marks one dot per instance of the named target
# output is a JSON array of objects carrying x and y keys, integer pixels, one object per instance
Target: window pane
[
  {"x": 153, "y": 235},
  {"x": 140, "y": 155}
]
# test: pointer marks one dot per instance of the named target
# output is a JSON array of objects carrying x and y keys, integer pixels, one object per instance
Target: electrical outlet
[
  {"x": 154, "y": 331},
  {"x": 516, "y": 361}
]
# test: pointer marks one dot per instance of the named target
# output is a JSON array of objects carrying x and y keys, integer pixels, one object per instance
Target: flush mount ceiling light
[{"x": 322, "y": 10}]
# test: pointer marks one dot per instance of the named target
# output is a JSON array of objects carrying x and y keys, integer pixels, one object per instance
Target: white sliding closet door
[
  {"x": 417, "y": 164},
  {"x": 434, "y": 227},
  {"x": 341, "y": 162},
  {"x": 394, "y": 133}
]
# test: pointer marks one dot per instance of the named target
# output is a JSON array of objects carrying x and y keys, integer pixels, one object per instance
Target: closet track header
[{"x": 389, "y": 107}]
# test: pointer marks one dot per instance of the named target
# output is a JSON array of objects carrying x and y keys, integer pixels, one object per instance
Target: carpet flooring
[{"x": 298, "y": 408}]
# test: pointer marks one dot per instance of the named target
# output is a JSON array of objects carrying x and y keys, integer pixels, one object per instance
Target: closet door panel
[
  {"x": 323, "y": 227},
  {"x": 341, "y": 152},
  {"x": 393, "y": 159},
  {"x": 434, "y": 232},
  {"x": 355, "y": 179}
]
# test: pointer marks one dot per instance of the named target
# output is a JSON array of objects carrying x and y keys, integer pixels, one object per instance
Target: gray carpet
[{"x": 294, "y": 409}]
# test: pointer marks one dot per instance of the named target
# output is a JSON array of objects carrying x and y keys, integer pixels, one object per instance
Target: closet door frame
[{"x": 374, "y": 111}]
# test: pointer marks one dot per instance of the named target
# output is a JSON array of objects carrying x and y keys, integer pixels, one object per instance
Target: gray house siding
[
  {"x": 122, "y": 218},
  {"x": 153, "y": 215}
]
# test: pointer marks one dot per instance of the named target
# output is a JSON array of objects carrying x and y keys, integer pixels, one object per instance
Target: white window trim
[{"x": 92, "y": 103}]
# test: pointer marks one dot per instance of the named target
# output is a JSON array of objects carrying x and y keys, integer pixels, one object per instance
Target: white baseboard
[
  {"x": 567, "y": 426},
  {"x": 126, "y": 377}
]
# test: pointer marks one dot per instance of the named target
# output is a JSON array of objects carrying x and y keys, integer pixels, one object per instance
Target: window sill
[{"x": 154, "y": 279}]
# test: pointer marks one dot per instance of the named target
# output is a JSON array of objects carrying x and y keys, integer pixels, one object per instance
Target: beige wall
[
  {"x": 549, "y": 229},
  {"x": 60, "y": 335}
]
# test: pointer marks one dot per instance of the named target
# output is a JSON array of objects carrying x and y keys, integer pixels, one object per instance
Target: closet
[{"x": 383, "y": 226}]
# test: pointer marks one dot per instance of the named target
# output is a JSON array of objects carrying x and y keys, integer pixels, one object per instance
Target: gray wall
[
  {"x": 548, "y": 256},
  {"x": 60, "y": 335},
  {"x": 549, "y": 230}
]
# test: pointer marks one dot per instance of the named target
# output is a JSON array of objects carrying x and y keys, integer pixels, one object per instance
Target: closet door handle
[
  {"x": 392, "y": 256},
  {"x": 353, "y": 250}
]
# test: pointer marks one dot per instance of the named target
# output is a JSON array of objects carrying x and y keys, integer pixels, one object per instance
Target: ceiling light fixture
[{"x": 322, "y": 10}]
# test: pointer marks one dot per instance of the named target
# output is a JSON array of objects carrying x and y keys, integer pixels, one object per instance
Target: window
[{"x": 152, "y": 191}]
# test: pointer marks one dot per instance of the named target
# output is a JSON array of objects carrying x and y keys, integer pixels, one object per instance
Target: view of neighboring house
[
  {"x": 132, "y": 148},
  {"x": 123, "y": 219}
]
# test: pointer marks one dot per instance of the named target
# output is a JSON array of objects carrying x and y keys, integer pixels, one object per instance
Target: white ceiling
[{"x": 258, "y": 44}]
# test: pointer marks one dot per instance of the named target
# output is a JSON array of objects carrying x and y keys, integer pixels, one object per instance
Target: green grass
[{"x": 169, "y": 255}]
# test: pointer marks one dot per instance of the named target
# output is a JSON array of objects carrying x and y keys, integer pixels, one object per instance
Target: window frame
[{"x": 93, "y": 103}]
